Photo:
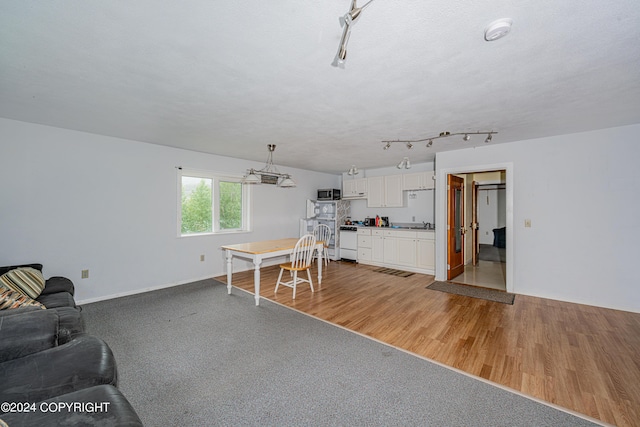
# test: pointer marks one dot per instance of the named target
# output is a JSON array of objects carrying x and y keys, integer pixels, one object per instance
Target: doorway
[{"x": 476, "y": 223}]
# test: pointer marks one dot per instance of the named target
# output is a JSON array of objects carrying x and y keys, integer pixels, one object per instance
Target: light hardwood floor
[{"x": 583, "y": 358}]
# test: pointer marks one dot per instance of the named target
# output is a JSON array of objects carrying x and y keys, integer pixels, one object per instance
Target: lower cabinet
[
  {"x": 403, "y": 249},
  {"x": 426, "y": 254}
]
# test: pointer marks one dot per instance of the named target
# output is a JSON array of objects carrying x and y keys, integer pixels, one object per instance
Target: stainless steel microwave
[{"x": 328, "y": 194}]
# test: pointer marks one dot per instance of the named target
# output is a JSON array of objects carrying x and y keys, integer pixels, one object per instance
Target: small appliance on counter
[
  {"x": 378, "y": 221},
  {"x": 329, "y": 194}
]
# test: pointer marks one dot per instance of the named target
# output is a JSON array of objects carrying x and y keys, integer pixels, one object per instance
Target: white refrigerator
[{"x": 332, "y": 213}]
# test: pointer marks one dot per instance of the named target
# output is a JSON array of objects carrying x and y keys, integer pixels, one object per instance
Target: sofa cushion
[
  {"x": 27, "y": 280},
  {"x": 84, "y": 362},
  {"x": 10, "y": 299},
  {"x": 118, "y": 412},
  {"x": 27, "y": 333},
  {"x": 59, "y": 299}
]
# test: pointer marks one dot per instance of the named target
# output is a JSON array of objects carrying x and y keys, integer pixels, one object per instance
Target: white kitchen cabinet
[
  {"x": 390, "y": 245},
  {"x": 406, "y": 250},
  {"x": 375, "y": 191},
  {"x": 400, "y": 247},
  {"x": 403, "y": 249},
  {"x": 354, "y": 188},
  {"x": 364, "y": 245},
  {"x": 418, "y": 181},
  {"x": 426, "y": 251},
  {"x": 385, "y": 191},
  {"x": 377, "y": 245}
]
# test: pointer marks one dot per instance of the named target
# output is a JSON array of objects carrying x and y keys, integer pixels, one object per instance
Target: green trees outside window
[
  {"x": 199, "y": 210},
  {"x": 230, "y": 205},
  {"x": 197, "y": 202}
]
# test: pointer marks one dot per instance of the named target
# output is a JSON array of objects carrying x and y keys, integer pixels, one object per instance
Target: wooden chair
[
  {"x": 323, "y": 234},
  {"x": 301, "y": 258}
]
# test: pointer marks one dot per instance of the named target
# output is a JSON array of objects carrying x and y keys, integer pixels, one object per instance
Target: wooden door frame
[
  {"x": 474, "y": 223},
  {"x": 441, "y": 216}
]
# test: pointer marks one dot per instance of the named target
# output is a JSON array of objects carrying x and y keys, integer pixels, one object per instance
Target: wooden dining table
[{"x": 258, "y": 251}]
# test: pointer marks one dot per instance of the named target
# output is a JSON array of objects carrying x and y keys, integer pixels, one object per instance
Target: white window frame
[{"x": 216, "y": 178}]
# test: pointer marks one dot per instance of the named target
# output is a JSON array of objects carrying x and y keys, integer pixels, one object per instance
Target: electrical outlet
[
  {"x": 84, "y": 274},
  {"x": 527, "y": 223},
  {"x": 202, "y": 257}
]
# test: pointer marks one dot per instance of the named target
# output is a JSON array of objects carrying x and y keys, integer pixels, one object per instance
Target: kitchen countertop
[{"x": 397, "y": 227}]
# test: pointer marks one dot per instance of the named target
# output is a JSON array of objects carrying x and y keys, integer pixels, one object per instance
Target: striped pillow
[
  {"x": 12, "y": 299},
  {"x": 26, "y": 280}
]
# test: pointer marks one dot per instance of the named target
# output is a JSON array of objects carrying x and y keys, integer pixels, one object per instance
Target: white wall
[
  {"x": 74, "y": 201},
  {"x": 580, "y": 192},
  {"x": 421, "y": 207},
  {"x": 491, "y": 213}
]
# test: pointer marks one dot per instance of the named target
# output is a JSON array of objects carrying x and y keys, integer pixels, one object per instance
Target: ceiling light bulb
[
  {"x": 401, "y": 164},
  {"x": 409, "y": 145},
  {"x": 407, "y": 164},
  {"x": 466, "y": 137},
  {"x": 489, "y": 138},
  {"x": 429, "y": 144},
  {"x": 386, "y": 147}
]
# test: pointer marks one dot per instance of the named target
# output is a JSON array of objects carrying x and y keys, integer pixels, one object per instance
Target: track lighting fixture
[
  {"x": 346, "y": 21},
  {"x": 353, "y": 171},
  {"x": 269, "y": 174},
  {"x": 405, "y": 163},
  {"x": 466, "y": 137}
]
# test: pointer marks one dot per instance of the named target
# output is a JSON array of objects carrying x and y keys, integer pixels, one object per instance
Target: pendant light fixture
[{"x": 269, "y": 174}]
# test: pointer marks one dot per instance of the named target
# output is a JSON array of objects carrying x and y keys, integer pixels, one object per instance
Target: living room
[{"x": 101, "y": 107}]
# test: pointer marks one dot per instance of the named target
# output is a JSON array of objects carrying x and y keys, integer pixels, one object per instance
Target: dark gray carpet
[
  {"x": 194, "y": 356},
  {"x": 492, "y": 253},
  {"x": 473, "y": 291}
]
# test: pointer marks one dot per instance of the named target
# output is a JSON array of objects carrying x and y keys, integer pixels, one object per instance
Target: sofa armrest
[
  {"x": 27, "y": 333},
  {"x": 57, "y": 284},
  {"x": 84, "y": 362}
]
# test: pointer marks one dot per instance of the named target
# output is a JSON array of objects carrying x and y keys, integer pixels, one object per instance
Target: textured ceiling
[{"x": 230, "y": 77}]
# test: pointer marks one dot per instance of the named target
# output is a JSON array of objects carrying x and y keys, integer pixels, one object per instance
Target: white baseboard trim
[
  {"x": 142, "y": 290},
  {"x": 166, "y": 285}
]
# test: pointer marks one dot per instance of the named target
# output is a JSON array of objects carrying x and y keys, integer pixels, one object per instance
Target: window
[{"x": 211, "y": 203}]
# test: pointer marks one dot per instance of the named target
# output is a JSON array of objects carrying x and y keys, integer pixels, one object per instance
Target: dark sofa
[{"x": 46, "y": 359}]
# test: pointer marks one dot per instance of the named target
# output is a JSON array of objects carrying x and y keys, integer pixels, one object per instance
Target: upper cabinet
[
  {"x": 385, "y": 192},
  {"x": 354, "y": 188},
  {"x": 418, "y": 181}
]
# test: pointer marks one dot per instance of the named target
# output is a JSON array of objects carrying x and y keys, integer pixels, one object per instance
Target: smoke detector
[{"x": 497, "y": 29}]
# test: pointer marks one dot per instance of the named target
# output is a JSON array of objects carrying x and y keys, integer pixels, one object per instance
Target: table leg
[
  {"x": 256, "y": 278},
  {"x": 229, "y": 271},
  {"x": 320, "y": 262}
]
